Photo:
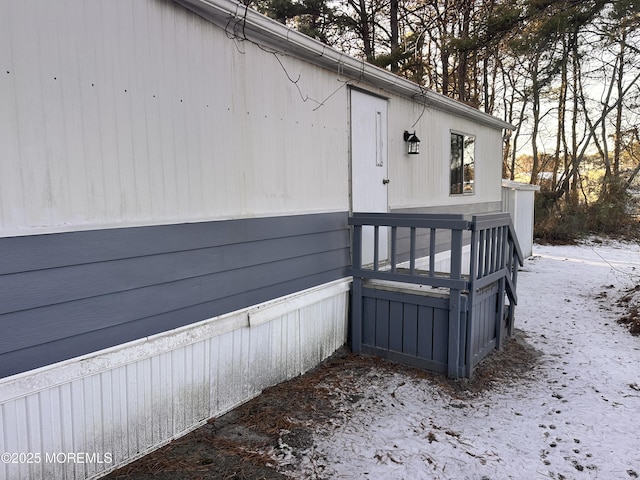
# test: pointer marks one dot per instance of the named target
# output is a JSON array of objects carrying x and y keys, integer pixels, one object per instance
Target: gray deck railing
[
  {"x": 388, "y": 269},
  {"x": 495, "y": 255},
  {"x": 493, "y": 259}
]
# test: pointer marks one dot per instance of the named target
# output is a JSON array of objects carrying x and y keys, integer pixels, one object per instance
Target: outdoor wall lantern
[{"x": 413, "y": 143}]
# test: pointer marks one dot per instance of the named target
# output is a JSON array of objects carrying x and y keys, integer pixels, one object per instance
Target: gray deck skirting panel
[
  {"x": 68, "y": 294},
  {"x": 409, "y": 328}
]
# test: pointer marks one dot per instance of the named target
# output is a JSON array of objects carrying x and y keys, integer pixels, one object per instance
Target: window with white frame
[{"x": 462, "y": 163}]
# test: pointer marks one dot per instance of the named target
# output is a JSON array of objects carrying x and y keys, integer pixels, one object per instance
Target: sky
[{"x": 577, "y": 416}]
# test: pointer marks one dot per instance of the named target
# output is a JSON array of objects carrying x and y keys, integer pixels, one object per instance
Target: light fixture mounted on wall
[{"x": 413, "y": 143}]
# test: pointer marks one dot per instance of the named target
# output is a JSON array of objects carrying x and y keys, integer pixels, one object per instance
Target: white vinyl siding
[{"x": 134, "y": 113}]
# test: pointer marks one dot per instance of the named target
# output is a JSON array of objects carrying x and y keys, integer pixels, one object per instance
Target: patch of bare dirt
[
  {"x": 514, "y": 363},
  {"x": 284, "y": 417}
]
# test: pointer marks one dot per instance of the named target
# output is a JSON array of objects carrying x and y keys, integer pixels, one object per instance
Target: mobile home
[{"x": 176, "y": 181}]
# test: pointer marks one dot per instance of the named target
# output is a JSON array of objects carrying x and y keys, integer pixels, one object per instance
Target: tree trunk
[
  {"x": 562, "y": 106},
  {"x": 394, "y": 36},
  {"x": 463, "y": 54},
  {"x": 617, "y": 138},
  {"x": 365, "y": 31},
  {"x": 574, "y": 121},
  {"x": 536, "y": 120}
]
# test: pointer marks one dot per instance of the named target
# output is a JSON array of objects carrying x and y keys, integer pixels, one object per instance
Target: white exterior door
[{"x": 369, "y": 179}]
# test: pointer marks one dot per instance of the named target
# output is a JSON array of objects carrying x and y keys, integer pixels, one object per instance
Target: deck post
[
  {"x": 356, "y": 291},
  {"x": 500, "y": 313},
  {"x": 455, "y": 363},
  {"x": 473, "y": 273},
  {"x": 356, "y": 315},
  {"x": 515, "y": 259},
  {"x": 453, "y": 360}
]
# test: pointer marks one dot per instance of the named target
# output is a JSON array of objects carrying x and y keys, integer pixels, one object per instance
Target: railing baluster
[
  {"x": 394, "y": 240},
  {"x": 504, "y": 246},
  {"x": 494, "y": 244},
  {"x": 412, "y": 251},
  {"x": 376, "y": 247},
  {"x": 498, "y": 248},
  {"x": 432, "y": 252},
  {"x": 481, "y": 247},
  {"x": 512, "y": 258}
]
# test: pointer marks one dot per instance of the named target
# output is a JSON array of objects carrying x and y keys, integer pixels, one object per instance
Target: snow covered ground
[{"x": 578, "y": 416}]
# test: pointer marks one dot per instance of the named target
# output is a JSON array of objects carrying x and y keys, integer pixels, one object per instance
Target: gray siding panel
[
  {"x": 20, "y": 254},
  {"x": 54, "y": 351},
  {"x": 57, "y": 285},
  {"x": 125, "y": 284}
]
